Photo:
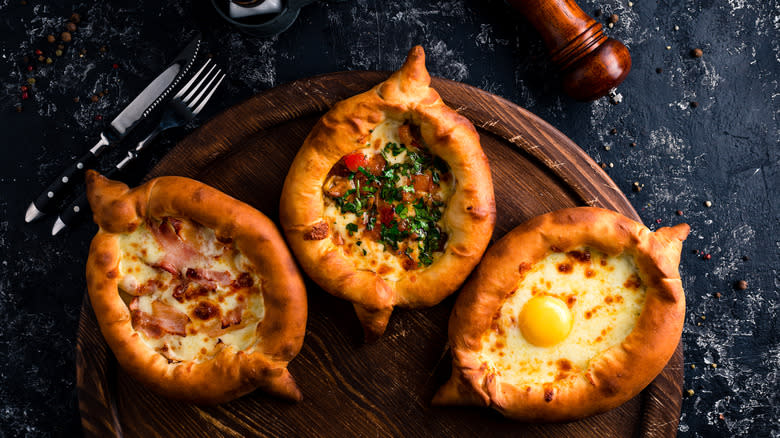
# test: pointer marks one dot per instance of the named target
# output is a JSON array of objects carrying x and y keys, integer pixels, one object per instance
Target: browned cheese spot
[{"x": 318, "y": 232}]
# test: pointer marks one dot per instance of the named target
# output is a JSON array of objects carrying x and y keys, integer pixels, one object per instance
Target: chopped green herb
[{"x": 352, "y": 228}]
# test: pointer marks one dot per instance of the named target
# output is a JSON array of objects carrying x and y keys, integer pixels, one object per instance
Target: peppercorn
[
  {"x": 694, "y": 104},
  {"x": 741, "y": 285},
  {"x": 714, "y": 365},
  {"x": 707, "y": 256},
  {"x": 718, "y": 295},
  {"x": 103, "y": 49},
  {"x": 115, "y": 66},
  {"x": 38, "y": 52},
  {"x": 25, "y": 96},
  {"x": 659, "y": 70},
  {"x": 597, "y": 13},
  {"x": 76, "y": 99},
  {"x": 721, "y": 417},
  {"x": 603, "y": 165},
  {"x": 41, "y": 58},
  {"x": 51, "y": 38},
  {"x": 636, "y": 187},
  {"x": 697, "y": 53},
  {"x": 98, "y": 117},
  {"x": 29, "y": 68},
  {"x": 693, "y": 367},
  {"x": 49, "y": 60},
  {"x": 708, "y": 204},
  {"x": 632, "y": 144},
  {"x": 611, "y": 165},
  {"x": 689, "y": 393},
  {"x": 18, "y": 108},
  {"x": 94, "y": 98},
  {"x": 58, "y": 52},
  {"x": 31, "y": 81},
  {"x": 71, "y": 27},
  {"x": 76, "y": 18},
  {"x": 65, "y": 36},
  {"x": 613, "y": 131},
  {"x": 745, "y": 258},
  {"x": 606, "y": 148},
  {"x": 60, "y": 46},
  {"x": 100, "y": 94},
  {"x": 613, "y": 18},
  {"x": 679, "y": 212}
]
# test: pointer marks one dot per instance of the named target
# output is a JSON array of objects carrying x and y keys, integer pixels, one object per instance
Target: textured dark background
[{"x": 725, "y": 151}]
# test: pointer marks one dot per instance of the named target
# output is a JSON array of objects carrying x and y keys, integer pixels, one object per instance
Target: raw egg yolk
[{"x": 545, "y": 321}]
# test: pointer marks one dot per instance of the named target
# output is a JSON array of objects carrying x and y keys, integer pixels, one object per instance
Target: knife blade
[{"x": 131, "y": 115}]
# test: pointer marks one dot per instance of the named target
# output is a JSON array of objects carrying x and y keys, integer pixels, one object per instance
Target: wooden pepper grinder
[{"x": 592, "y": 63}]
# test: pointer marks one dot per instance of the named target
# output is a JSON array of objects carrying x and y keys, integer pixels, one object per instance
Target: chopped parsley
[{"x": 408, "y": 228}]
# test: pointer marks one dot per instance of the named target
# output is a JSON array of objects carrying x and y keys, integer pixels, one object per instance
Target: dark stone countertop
[{"x": 724, "y": 151}]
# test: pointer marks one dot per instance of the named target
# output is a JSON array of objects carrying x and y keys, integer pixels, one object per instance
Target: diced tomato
[
  {"x": 405, "y": 134},
  {"x": 353, "y": 161},
  {"x": 376, "y": 164},
  {"x": 386, "y": 215},
  {"x": 422, "y": 183}
]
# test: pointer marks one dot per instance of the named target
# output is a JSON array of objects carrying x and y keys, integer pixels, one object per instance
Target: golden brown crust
[
  {"x": 470, "y": 214},
  {"x": 229, "y": 374},
  {"x": 614, "y": 376}
]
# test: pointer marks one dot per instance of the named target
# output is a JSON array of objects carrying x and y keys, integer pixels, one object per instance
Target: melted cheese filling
[
  {"x": 368, "y": 254},
  {"x": 604, "y": 295},
  {"x": 142, "y": 252}
]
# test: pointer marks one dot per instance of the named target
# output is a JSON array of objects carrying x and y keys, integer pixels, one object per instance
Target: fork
[{"x": 182, "y": 108}]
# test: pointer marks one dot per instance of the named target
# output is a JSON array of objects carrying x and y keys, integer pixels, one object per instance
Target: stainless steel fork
[{"x": 184, "y": 106}]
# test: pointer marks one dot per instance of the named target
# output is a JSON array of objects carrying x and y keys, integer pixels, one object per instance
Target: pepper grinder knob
[{"x": 592, "y": 64}]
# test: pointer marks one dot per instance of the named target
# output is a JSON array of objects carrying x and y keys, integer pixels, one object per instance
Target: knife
[{"x": 134, "y": 112}]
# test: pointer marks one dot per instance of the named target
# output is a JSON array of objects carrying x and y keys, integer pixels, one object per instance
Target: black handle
[
  {"x": 77, "y": 210},
  {"x": 50, "y": 198}
]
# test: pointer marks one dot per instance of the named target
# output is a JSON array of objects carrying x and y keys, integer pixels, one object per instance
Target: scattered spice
[
  {"x": 18, "y": 108},
  {"x": 679, "y": 212},
  {"x": 694, "y": 104},
  {"x": 741, "y": 285},
  {"x": 676, "y": 27},
  {"x": 689, "y": 393},
  {"x": 611, "y": 165},
  {"x": 613, "y": 131},
  {"x": 603, "y": 165},
  {"x": 636, "y": 187},
  {"x": 101, "y": 94},
  {"x": 51, "y": 38},
  {"x": 71, "y": 27},
  {"x": 31, "y": 81},
  {"x": 49, "y": 60},
  {"x": 693, "y": 367},
  {"x": 697, "y": 53},
  {"x": 658, "y": 221},
  {"x": 714, "y": 365},
  {"x": 632, "y": 144},
  {"x": 606, "y": 148},
  {"x": 94, "y": 98},
  {"x": 703, "y": 317},
  {"x": 76, "y": 99},
  {"x": 614, "y": 18},
  {"x": 668, "y": 47},
  {"x": 718, "y": 295},
  {"x": 38, "y": 52},
  {"x": 707, "y": 256},
  {"x": 58, "y": 52},
  {"x": 115, "y": 66},
  {"x": 695, "y": 251},
  {"x": 721, "y": 417},
  {"x": 60, "y": 46},
  {"x": 708, "y": 204},
  {"x": 76, "y": 18},
  {"x": 98, "y": 117},
  {"x": 29, "y": 68},
  {"x": 630, "y": 4},
  {"x": 745, "y": 258},
  {"x": 610, "y": 25},
  {"x": 103, "y": 49},
  {"x": 41, "y": 58},
  {"x": 65, "y": 36},
  {"x": 25, "y": 96}
]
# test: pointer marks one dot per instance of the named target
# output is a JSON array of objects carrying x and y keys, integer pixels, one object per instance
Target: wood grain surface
[{"x": 353, "y": 389}]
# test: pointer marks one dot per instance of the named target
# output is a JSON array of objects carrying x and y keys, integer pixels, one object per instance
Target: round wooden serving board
[{"x": 353, "y": 389}]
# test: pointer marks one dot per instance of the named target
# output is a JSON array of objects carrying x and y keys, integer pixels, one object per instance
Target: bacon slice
[
  {"x": 163, "y": 319},
  {"x": 233, "y": 316},
  {"x": 177, "y": 252}
]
